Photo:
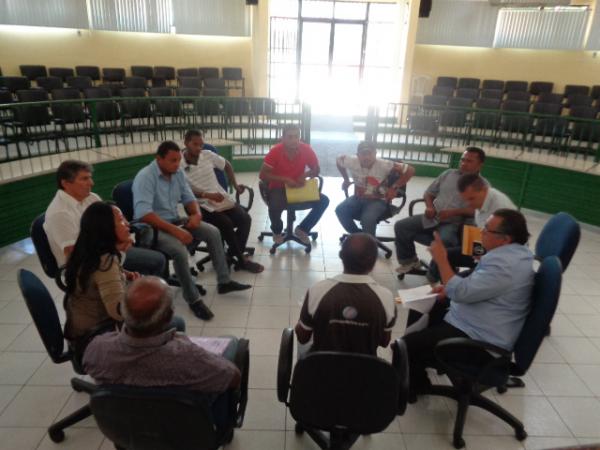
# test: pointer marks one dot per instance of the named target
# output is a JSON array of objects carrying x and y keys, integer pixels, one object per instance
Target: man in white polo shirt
[
  {"x": 74, "y": 195},
  {"x": 218, "y": 209}
]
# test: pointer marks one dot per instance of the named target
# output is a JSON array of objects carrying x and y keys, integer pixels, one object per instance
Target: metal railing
[
  {"x": 419, "y": 131},
  {"x": 49, "y": 127}
]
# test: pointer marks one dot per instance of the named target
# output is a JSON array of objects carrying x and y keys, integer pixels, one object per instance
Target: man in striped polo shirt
[{"x": 218, "y": 209}]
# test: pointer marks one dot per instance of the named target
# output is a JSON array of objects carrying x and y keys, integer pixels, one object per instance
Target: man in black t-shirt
[{"x": 349, "y": 312}]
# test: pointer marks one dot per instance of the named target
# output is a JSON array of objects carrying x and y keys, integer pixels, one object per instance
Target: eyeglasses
[{"x": 486, "y": 230}]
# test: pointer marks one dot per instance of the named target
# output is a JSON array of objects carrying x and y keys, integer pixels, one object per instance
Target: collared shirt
[
  {"x": 154, "y": 192},
  {"x": 348, "y": 313},
  {"x": 445, "y": 190},
  {"x": 63, "y": 218},
  {"x": 278, "y": 160},
  {"x": 493, "y": 200},
  {"x": 201, "y": 175},
  {"x": 368, "y": 179},
  {"x": 492, "y": 303},
  {"x": 167, "y": 359}
]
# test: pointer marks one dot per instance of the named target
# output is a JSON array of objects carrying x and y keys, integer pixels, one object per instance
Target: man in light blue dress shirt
[
  {"x": 490, "y": 305},
  {"x": 157, "y": 190}
]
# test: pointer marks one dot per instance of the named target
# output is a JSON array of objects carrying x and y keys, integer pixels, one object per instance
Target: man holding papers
[
  {"x": 199, "y": 163},
  {"x": 490, "y": 305},
  {"x": 372, "y": 196},
  {"x": 484, "y": 199},
  {"x": 285, "y": 167}
]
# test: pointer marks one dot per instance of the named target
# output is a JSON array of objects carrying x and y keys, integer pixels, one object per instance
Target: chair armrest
[
  {"x": 483, "y": 358},
  {"x": 320, "y": 178},
  {"x": 250, "y": 191},
  {"x": 284, "y": 365},
  {"x": 411, "y": 205},
  {"x": 242, "y": 361},
  {"x": 400, "y": 363},
  {"x": 345, "y": 189},
  {"x": 80, "y": 385}
]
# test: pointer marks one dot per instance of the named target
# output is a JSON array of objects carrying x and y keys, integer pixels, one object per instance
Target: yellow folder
[
  {"x": 307, "y": 193},
  {"x": 471, "y": 242}
]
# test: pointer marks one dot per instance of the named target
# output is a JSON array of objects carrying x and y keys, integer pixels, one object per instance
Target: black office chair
[
  {"x": 291, "y": 217},
  {"x": 488, "y": 366},
  {"x": 45, "y": 318},
  {"x": 343, "y": 394},
  {"x": 168, "y": 418},
  {"x": 44, "y": 252},
  {"x": 122, "y": 195},
  {"x": 393, "y": 208}
]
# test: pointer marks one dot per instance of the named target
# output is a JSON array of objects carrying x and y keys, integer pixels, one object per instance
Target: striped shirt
[{"x": 201, "y": 175}]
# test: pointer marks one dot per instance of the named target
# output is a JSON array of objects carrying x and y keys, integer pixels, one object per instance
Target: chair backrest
[
  {"x": 42, "y": 246},
  {"x": 33, "y": 72},
  {"x": 113, "y": 74},
  {"x": 122, "y": 194},
  {"x": 523, "y": 96},
  {"x": 61, "y": 72},
  {"x": 538, "y": 87},
  {"x": 208, "y": 72},
  {"x": 544, "y": 299},
  {"x": 492, "y": 93},
  {"x": 80, "y": 82},
  {"x": 232, "y": 73},
  {"x": 49, "y": 83},
  {"x": 579, "y": 100},
  {"x": 492, "y": 84},
  {"x": 153, "y": 418},
  {"x": 142, "y": 71},
  {"x": 135, "y": 82},
  {"x": 214, "y": 83},
  {"x": 547, "y": 108},
  {"x": 467, "y": 93},
  {"x": 335, "y": 390},
  {"x": 14, "y": 84},
  {"x": 187, "y": 72},
  {"x": 595, "y": 94},
  {"x": 190, "y": 82},
  {"x": 514, "y": 85},
  {"x": 548, "y": 97},
  {"x": 187, "y": 92},
  {"x": 515, "y": 105},
  {"x": 572, "y": 89},
  {"x": 470, "y": 83},
  {"x": 447, "y": 81},
  {"x": 43, "y": 312},
  {"x": 88, "y": 71},
  {"x": 444, "y": 91},
  {"x": 559, "y": 237},
  {"x": 435, "y": 100},
  {"x": 166, "y": 72}
]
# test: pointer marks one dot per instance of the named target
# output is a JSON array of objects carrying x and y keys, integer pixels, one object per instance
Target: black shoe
[
  {"x": 201, "y": 311},
  {"x": 224, "y": 288}
]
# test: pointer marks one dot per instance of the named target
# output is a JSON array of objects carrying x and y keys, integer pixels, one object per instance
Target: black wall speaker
[
  {"x": 251, "y": 2},
  {"x": 424, "y": 8}
]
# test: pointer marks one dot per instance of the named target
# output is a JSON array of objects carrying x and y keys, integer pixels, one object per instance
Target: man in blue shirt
[
  {"x": 490, "y": 304},
  {"x": 157, "y": 190}
]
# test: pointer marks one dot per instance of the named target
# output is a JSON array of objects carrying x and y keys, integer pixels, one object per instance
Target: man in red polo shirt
[{"x": 285, "y": 165}]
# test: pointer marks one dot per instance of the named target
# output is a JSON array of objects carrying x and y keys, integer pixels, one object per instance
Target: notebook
[{"x": 307, "y": 193}]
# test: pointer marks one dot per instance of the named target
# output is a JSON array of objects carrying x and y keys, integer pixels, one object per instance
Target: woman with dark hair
[{"x": 94, "y": 276}]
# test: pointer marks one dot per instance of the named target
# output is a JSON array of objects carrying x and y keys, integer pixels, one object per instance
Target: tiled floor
[{"x": 559, "y": 406}]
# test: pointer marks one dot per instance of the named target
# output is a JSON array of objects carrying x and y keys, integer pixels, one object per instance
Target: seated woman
[{"x": 94, "y": 275}]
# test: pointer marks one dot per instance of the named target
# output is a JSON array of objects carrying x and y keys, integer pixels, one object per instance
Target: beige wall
[
  {"x": 55, "y": 47},
  {"x": 560, "y": 67}
]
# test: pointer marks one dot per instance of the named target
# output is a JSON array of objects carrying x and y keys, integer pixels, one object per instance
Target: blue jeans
[
  {"x": 411, "y": 228},
  {"x": 367, "y": 211},
  {"x": 278, "y": 203},
  {"x": 180, "y": 255},
  {"x": 145, "y": 261}
]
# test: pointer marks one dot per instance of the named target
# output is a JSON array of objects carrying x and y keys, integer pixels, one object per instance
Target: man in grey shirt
[{"x": 445, "y": 212}]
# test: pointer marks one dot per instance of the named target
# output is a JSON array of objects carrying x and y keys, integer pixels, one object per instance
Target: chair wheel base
[
  {"x": 201, "y": 290},
  {"x": 400, "y": 276},
  {"x": 521, "y": 434},
  {"x": 458, "y": 442},
  {"x": 261, "y": 238},
  {"x": 298, "y": 429},
  {"x": 272, "y": 250},
  {"x": 56, "y": 435},
  {"x": 388, "y": 255},
  {"x": 307, "y": 249}
]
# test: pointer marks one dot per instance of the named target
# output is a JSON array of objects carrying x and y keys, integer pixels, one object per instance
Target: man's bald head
[
  {"x": 359, "y": 253},
  {"x": 147, "y": 306}
]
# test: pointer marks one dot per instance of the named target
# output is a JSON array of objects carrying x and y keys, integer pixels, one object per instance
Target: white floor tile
[
  {"x": 558, "y": 379},
  {"x": 19, "y": 438},
  {"x": 35, "y": 406},
  {"x": 582, "y": 415}
]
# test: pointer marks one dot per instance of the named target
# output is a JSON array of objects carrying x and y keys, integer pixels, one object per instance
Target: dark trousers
[
  {"x": 278, "y": 203},
  {"x": 420, "y": 347},
  {"x": 456, "y": 260},
  {"x": 234, "y": 225}
]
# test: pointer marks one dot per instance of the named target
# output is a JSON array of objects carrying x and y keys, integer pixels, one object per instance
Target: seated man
[
  {"x": 484, "y": 199},
  {"x": 285, "y": 165},
  {"x": 349, "y": 312},
  {"x": 232, "y": 221},
  {"x": 372, "y": 196},
  {"x": 490, "y": 305},
  {"x": 157, "y": 190},
  {"x": 445, "y": 212},
  {"x": 147, "y": 352},
  {"x": 63, "y": 216}
]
